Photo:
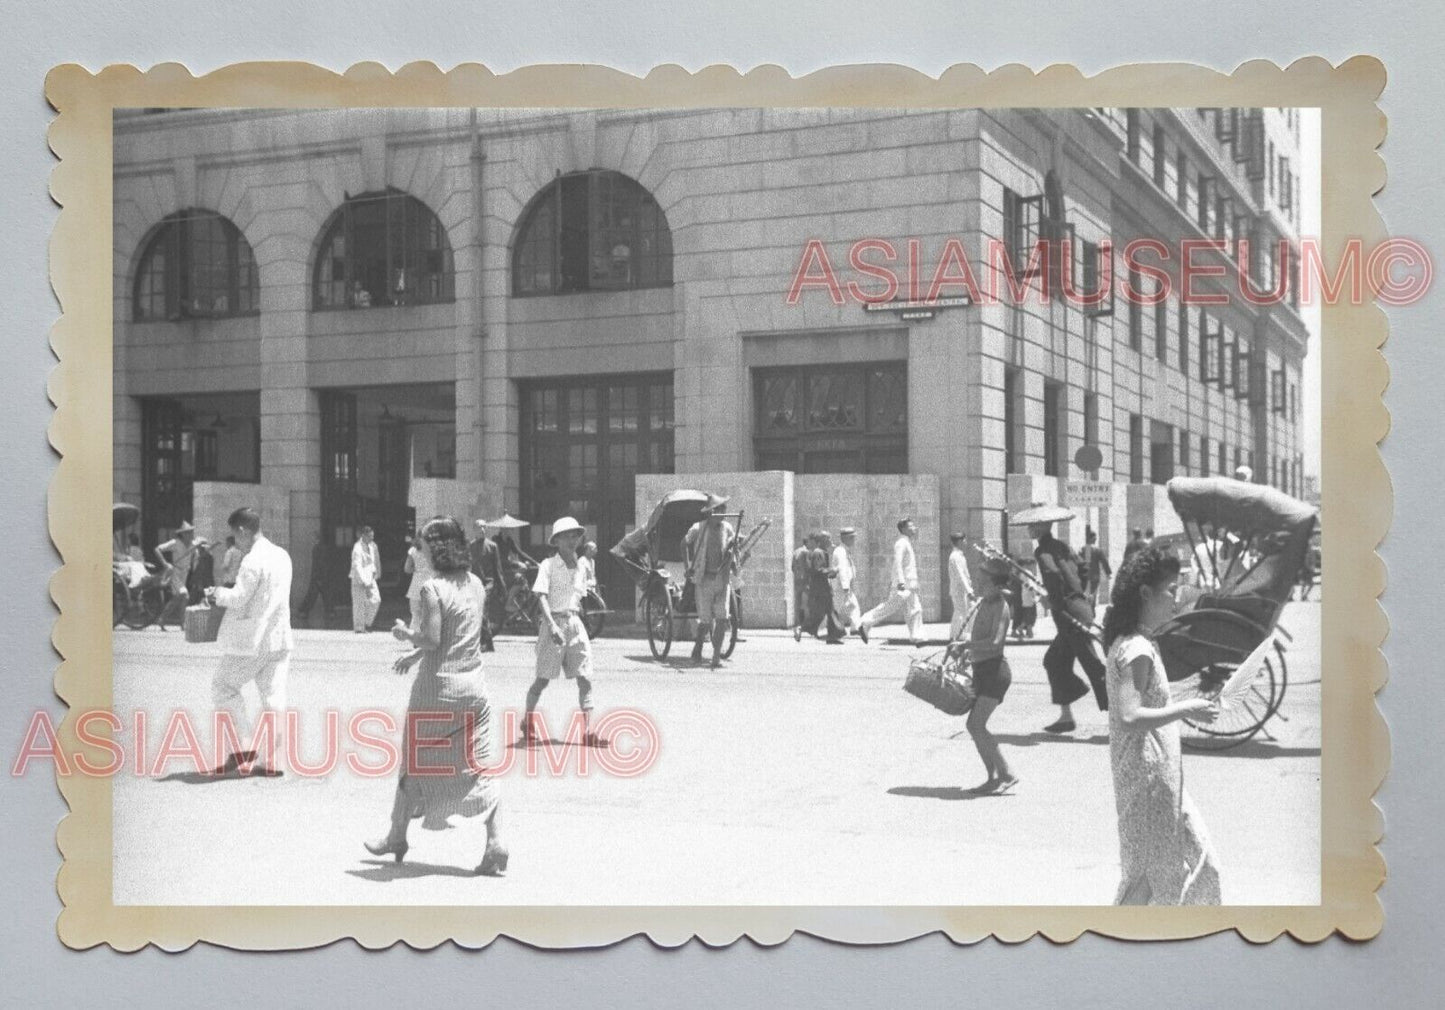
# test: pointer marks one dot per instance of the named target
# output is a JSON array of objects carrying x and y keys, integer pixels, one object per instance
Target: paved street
[{"x": 798, "y": 774}]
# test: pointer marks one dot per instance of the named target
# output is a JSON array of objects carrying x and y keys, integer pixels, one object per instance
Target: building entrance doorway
[
  {"x": 190, "y": 438},
  {"x": 375, "y": 441},
  {"x": 583, "y": 441}
]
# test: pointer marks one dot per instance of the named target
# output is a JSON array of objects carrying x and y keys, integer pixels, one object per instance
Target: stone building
[{"x": 375, "y": 315}]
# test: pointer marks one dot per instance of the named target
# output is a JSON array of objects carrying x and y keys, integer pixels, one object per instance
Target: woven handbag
[
  {"x": 203, "y": 622},
  {"x": 943, "y": 682}
]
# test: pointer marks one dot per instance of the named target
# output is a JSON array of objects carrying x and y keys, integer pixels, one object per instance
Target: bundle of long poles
[{"x": 988, "y": 551}]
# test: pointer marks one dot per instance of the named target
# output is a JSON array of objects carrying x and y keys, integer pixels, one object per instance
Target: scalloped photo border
[{"x": 1355, "y": 486}]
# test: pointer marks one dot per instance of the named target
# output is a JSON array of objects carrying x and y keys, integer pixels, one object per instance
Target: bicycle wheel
[
  {"x": 594, "y": 613},
  {"x": 658, "y": 614},
  {"x": 735, "y": 609},
  {"x": 146, "y": 605}
]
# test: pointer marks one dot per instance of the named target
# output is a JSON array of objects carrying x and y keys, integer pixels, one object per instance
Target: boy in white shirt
[{"x": 562, "y": 643}]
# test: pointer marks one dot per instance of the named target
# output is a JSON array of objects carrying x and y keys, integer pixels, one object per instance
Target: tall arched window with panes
[
  {"x": 383, "y": 249},
  {"x": 195, "y": 265},
  {"x": 591, "y": 231}
]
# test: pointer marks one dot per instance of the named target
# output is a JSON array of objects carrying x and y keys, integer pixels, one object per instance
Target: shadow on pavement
[
  {"x": 944, "y": 793},
  {"x": 684, "y": 662},
  {"x": 385, "y": 871},
  {"x": 211, "y": 778},
  {"x": 1034, "y": 739},
  {"x": 1256, "y": 748}
]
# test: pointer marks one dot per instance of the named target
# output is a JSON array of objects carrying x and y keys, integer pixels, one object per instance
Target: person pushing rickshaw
[{"x": 708, "y": 550}]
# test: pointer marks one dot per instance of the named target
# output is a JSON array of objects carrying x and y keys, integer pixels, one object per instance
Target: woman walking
[
  {"x": 418, "y": 565},
  {"x": 1164, "y": 849},
  {"x": 448, "y": 704}
]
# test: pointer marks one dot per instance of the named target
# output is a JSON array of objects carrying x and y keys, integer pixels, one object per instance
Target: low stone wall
[
  {"x": 800, "y": 503},
  {"x": 872, "y": 504}
]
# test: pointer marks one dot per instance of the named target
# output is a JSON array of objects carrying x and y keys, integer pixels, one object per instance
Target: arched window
[
  {"x": 592, "y": 231},
  {"x": 383, "y": 249},
  {"x": 196, "y": 264}
]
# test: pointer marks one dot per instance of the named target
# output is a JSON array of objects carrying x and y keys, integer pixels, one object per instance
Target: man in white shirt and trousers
[
  {"x": 365, "y": 572},
  {"x": 255, "y": 639},
  {"x": 904, "y": 594},
  {"x": 845, "y": 601},
  {"x": 960, "y": 588}
]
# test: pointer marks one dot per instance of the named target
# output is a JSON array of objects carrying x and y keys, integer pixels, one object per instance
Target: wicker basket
[
  {"x": 203, "y": 622},
  {"x": 943, "y": 683}
]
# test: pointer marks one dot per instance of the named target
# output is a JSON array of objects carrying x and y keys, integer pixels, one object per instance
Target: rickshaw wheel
[
  {"x": 657, "y": 611},
  {"x": 145, "y": 607},
  {"x": 594, "y": 613},
  {"x": 1200, "y": 663},
  {"x": 735, "y": 610},
  {"x": 119, "y": 600}
]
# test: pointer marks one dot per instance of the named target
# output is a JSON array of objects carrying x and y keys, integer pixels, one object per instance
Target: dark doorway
[
  {"x": 190, "y": 438},
  {"x": 583, "y": 442},
  {"x": 374, "y": 441}
]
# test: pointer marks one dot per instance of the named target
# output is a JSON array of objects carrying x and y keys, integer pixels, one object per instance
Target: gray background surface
[{"x": 1398, "y": 969}]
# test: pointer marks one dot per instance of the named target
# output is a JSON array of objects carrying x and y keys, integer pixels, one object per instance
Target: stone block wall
[{"x": 872, "y": 504}]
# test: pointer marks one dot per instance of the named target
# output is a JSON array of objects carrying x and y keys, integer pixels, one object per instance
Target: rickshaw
[
  {"x": 137, "y": 594},
  {"x": 667, "y": 598},
  {"x": 1248, "y": 543}
]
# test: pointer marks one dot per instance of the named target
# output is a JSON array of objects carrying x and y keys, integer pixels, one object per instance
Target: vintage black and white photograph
[{"x": 910, "y": 506}]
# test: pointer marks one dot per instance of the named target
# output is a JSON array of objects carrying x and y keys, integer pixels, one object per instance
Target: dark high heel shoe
[
  {"x": 494, "y": 862},
  {"x": 388, "y": 847}
]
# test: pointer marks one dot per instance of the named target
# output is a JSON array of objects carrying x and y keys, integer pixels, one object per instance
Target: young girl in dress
[{"x": 1164, "y": 849}]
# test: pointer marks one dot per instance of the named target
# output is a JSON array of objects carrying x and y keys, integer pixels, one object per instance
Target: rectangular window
[
  {"x": 1010, "y": 420},
  {"x": 1223, "y": 458},
  {"x": 1161, "y": 453},
  {"x": 1206, "y": 200},
  {"x": 1181, "y": 177},
  {"x": 1136, "y": 314},
  {"x": 1277, "y": 392},
  {"x": 1091, "y": 419},
  {"x": 1131, "y": 132},
  {"x": 1269, "y": 165},
  {"x": 1136, "y": 449},
  {"x": 1161, "y": 330},
  {"x": 1183, "y": 336},
  {"x": 1022, "y": 216},
  {"x": 1161, "y": 157},
  {"x": 1204, "y": 455},
  {"x": 832, "y": 418},
  {"x": 1053, "y": 429},
  {"x": 1184, "y": 453}
]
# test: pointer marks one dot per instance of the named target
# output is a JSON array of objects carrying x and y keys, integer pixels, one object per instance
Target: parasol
[
  {"x": 1040, "y": 513},
  {"x": 507, "y": 522},
  {"x": 122, "y": 515}
]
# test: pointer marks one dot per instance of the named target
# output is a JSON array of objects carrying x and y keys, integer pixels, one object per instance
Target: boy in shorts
[{"x": 562, "y": 643}]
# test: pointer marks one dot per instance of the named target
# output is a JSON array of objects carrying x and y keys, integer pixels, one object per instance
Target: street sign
[
  {"x": 1088, "y": 458},
  {"x": 1088, "y": 494}
]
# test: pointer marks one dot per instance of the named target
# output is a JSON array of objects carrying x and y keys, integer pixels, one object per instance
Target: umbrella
[
  {"x": 122, "y": 515},
  {"x": 507, "y": 522},
  {"x": 1040, "y": 513}
]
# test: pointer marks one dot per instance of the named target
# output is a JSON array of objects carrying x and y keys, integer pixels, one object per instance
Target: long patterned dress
[
  {"x": 1164, "y": 849},
  {"x": 447, "y": 740}
]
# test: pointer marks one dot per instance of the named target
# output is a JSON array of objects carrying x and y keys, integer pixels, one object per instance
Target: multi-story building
[{"x": 369, "y": 315}]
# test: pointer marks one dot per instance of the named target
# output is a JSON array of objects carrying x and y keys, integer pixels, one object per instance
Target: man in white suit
[
  {"x": 255, "y": 638},
  {"x": 845, "y": 600},
  {"x": 365, "y": 571},
  {"x": 903, "y": 595}
]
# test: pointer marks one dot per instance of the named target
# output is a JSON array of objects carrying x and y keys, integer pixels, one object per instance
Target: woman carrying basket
[
  {"x": 991, "y": 677},
  {"x": 1164, "y": 850}
]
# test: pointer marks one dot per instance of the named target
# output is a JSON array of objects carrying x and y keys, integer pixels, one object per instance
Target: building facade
[{"x": 372, "y": 315}]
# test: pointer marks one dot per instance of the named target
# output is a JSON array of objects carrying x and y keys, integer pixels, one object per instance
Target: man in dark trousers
[
  {"x": 1073, "y": 613},
  {"x": 1095, "y": 565}
]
